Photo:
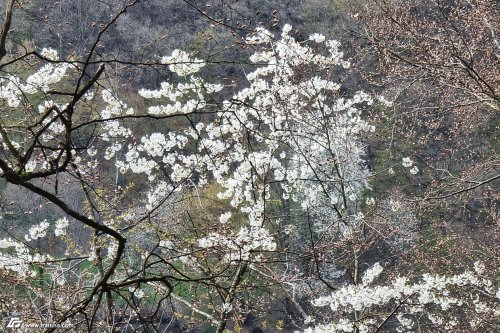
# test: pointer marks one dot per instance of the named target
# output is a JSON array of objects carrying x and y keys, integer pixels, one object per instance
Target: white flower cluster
[
  {"x": 50, "y": 54},
  {"x": 441, "y": 291},
  {"x": 13, "y": 89},
  {"x": 20, "y": 260},
  {"x": 16, "y": 91},
  {"x": 113, "y": 130},
  {"x": 267, "y": 132},
  {"x": 37, "y": 231},
  {"x": 114, "y": 106},
  {"x": 182, "y": 64},
  {"x": 138, "y": 293},
  {"x": 259, "y": 36},
  {"x": 156, "y": 196},
  {"x": 225, "y": 217},
  {"x": 194, "y": 91},
  {"x": 318, "y": 38},
  {"x": 247, "y": 240},
  {"x": 372, "y": 273},
  {"x": 61, "y": 225},
  {"x": 342, "y": 325},
  {"x": 407, "y": 163},
  {"x": 55, "y": 127},
  {"x": 45, "y": 77}
]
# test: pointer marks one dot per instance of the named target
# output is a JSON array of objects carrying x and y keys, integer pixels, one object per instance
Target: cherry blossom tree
[{"x": 206, "y": 198}]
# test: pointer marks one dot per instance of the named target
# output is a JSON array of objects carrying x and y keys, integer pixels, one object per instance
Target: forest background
[{"x": 254, "y": 166}]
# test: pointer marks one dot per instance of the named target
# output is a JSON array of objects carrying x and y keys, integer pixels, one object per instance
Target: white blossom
[
  {"x": 138, "y": 293},
  {"x": 37, "y": 231},
  {"x": 370, "y": 201},
  {"x": 225, "y": 217},
  {"x": 61, "y": 225},
  {"x": 407, "y": 162},
  {"x": 372, "y": 273},
  {"x": 182, "y": 64},
  {"x": 318, "y": 38}
]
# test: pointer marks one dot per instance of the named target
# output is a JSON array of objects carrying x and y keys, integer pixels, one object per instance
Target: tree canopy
[{"x": 251, "y": 175}]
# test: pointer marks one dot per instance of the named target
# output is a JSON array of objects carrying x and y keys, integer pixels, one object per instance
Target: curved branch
[{"x": 6, "y": 28}]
